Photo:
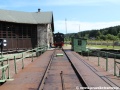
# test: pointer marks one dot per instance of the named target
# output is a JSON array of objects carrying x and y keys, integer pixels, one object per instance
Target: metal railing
[
  {"x": 107, "y": 56},
  {"x": 5, "y": 67}
]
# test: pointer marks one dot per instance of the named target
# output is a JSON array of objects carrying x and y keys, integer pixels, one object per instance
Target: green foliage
[
  {"x": 111, "y": 37},
  {"x": 103, "y": 37},
  {"x": 111, "y": 33},
  {"x": 118, "y": 35}
]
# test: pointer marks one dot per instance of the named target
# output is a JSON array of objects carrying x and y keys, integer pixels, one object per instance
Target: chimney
[{"x": 38, "y": 9}]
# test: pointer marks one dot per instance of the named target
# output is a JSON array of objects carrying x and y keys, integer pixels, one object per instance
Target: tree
[
  {"x": 98, "y": 33},
  {"x": 111, "y": 37},
  {"x": 103, "y": 37},
  {"x": 111, "y": 33},
  {"x": 118, "y": 35},
  {"x": 86, "y": 36}
]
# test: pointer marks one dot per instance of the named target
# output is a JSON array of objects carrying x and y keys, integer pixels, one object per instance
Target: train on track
[{"x": 58, "y": 39}]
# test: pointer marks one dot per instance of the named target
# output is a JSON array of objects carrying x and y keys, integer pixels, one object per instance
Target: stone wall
[
  {"x": 44, "y": 35},
  {"x": 49, "y": 35},
  {"x": 41, "y": 35}
]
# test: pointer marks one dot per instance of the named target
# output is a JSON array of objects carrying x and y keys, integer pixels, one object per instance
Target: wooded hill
[{"x": 111, "y": 33}]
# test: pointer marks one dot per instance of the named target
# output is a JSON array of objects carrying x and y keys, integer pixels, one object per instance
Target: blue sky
[{"x": 80, "y": 15}]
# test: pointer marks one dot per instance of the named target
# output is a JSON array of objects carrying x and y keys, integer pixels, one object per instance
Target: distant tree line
[{"x": 111, "y": 33}]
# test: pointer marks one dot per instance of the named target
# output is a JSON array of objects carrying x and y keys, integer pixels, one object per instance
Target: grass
[
  {"x": 99, "y": 44},
  {"x": 102, "y": 44},
  {"x": 103, "y": 47}
]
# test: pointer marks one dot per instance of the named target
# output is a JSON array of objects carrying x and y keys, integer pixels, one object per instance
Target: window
[{"x": 79, "y": 42}]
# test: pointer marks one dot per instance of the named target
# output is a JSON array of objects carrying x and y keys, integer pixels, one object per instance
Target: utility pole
[
  {"x": 66, "y": 29},
  {"x": 66, "y": 25},
  {"x": 79, "y": 29}
]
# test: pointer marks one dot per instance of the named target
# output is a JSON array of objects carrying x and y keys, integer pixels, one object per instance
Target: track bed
[{"x": 69, "y": 79}]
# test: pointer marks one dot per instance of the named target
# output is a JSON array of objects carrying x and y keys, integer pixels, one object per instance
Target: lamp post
[
  {"x": 66, "y": 29},
  {"x": 1, "y": 46},
  {"x": 3, "y": 42}
]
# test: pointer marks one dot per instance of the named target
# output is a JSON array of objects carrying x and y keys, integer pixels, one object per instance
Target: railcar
[{"x": 58, "y": 39}]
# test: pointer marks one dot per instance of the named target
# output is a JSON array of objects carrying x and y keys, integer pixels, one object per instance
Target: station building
[{"x": 24, "y": 30}]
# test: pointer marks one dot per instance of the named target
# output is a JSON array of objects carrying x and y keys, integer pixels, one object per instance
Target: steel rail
[
  {"x": 81, "y": 80},
  {"x": 97, "y": 73},
  {"x": 42, "y": 82}
]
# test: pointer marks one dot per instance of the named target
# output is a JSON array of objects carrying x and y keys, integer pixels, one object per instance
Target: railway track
[
  {"x": 46, "y": 73},
  {"x": 61, "y": 74},
  {"x": 104, "y": 78}
]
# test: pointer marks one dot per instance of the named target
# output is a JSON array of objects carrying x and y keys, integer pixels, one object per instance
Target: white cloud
[{"x": 76, "y": 26}]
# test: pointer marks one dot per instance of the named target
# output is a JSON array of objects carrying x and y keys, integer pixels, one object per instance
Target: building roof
[{"x": 26, "y": 17}]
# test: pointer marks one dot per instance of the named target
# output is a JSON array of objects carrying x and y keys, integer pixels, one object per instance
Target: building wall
[
  {"x": 44, "y": 35},
  {"x": 18, "y": 36},
  {"x": 41, "y": 34},
  {"x": 24, "y": 36},
  {"x": 49, "y": 34}
]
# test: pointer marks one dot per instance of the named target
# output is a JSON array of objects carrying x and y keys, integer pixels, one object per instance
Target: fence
[
  {"x": 106, "y": 43},
  {"x": 5, "y": 67},
  {"x": 107, "y": 56}
]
